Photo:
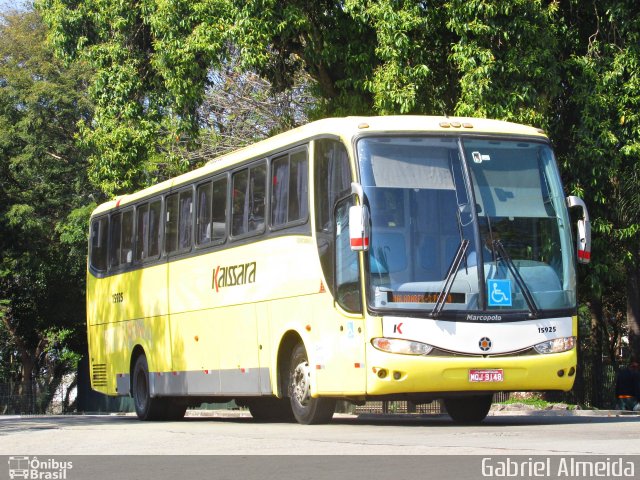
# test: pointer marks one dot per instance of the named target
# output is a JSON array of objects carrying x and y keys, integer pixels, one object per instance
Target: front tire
[
  {"x": 306, "y": 409},
  {"x": 468, "y": 410}
]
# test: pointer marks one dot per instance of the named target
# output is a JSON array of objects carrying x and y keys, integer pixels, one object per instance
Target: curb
[{"x": 391, "y": 416}]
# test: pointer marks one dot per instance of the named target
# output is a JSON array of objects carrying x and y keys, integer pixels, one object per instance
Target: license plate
[{"x": 496, "y": 375}]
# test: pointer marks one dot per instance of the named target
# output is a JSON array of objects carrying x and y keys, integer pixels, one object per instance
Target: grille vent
[{"x": 99, "y": 378}]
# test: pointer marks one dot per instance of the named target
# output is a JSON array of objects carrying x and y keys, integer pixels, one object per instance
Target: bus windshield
[{"x": 465, "y": 224}]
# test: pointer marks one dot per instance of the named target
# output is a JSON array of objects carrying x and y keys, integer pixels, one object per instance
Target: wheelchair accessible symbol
[{"x": 499, "y": 294}]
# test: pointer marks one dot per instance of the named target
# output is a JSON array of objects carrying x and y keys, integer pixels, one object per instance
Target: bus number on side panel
[{"x": 117, "y": 297}]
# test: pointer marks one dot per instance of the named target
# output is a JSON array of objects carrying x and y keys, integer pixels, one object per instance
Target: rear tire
[
  {"x": 468, "y": 410},
  {"x": 152, "y": 408},
  {"x": 306, "y": 409}
]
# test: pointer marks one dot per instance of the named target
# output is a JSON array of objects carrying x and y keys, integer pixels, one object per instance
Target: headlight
[
  {"x": 556, "y": 345},
  {"x": 404, "y": 347}
]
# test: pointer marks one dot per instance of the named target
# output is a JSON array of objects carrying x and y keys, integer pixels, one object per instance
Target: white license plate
[{"x": 496, "y": 375}]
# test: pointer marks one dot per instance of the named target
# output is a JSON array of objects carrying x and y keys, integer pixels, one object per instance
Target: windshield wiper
[
  {"x": 451, "y": 276},
  {"x": 526, "y": 293}
]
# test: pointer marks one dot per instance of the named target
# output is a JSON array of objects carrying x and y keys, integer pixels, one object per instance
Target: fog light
[
  {"x": 561, "y": 373},
  {"x": 382, "y": 373},
  {"x": 572, "y": 371},
  {"x": 397, "y": 375}
]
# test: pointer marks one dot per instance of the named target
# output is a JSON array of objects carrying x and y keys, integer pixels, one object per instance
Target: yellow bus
[{"x": 360, "y": 258}]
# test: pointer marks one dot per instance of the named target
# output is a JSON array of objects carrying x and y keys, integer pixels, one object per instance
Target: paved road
[{"x": 552, "y": 433}]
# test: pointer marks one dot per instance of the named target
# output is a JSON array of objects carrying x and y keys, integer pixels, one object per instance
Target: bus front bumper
[{"x": 390, "y": 373}]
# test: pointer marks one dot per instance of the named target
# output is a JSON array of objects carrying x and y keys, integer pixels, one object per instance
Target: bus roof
[{"x": 345, "y": 128}]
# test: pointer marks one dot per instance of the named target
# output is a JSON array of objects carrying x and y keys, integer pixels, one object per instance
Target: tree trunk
[
  {"x": 25, "y": 390},
  {"x": 595, "y": 309},
  {"x": 633, "y": 310}
]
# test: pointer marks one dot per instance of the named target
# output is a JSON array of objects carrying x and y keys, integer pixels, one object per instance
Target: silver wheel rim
[{"x": 300, "y": 383}]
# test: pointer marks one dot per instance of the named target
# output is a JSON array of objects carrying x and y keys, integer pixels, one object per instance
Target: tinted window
[
  {"x": 219, "y": 210},
  {"x": 186, "y": 220},
  {"x": 171, "y": 226},
  {"x": 332, "y": 179},
  {"x": 114, "y": 240},
  {"x": 99, "y": 237},
  {"x": 126, "y": 243},
  {"x": 155, "y": 211},
  {"x": 179, "y": 221},
  {"x": 142, "y": 231},
  {"x": 249, "y": 187},
  {"x": 148, "y": 230},
  {"x": 203, "y": 216},
  {"x": 289, "y": 199}
]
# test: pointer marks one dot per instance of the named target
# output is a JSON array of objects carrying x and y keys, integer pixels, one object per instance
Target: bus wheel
[
  {"x": 147, "y": 408},
  {"x": 468, "y": 410},
  {"x": 306, "y": 410},
  {"x": 270, "y": 409}
]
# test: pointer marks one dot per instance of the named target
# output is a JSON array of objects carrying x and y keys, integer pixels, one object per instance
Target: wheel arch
[{"x": 289, "y": 340}]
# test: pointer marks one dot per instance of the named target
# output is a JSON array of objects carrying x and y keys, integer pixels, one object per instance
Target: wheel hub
[{"x": 300, "y": 383}]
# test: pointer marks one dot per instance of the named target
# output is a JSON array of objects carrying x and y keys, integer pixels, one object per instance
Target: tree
[
  {"x": 602, "y": 143},
  {"x": 567, "y": 66},
  {"x": 150, "y": 62},
  {"x": 44, "y": 204},
  {"x": 240, "y": 107},
  {"x": 321, "y": 37}
]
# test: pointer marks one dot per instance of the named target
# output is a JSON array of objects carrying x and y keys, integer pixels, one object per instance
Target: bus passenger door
[{"x": 341, "y": 350}]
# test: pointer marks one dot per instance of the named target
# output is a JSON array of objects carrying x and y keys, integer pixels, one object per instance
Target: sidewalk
[
  {"x": 513, "y": 409},
  {"x": 557, "y": 410}
]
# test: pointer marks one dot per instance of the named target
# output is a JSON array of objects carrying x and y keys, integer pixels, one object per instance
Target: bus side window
[
  {"x": 332, "y": 181},
  {"x": 239, "y": 194},
  {"x": 126, "y": 244},
  {"x": 348, "y": 294},
  {"x": 203, "y": 215},
  {"x": 290, "y": 198},
  {"x": 171, "y": 224},
  {"x": 249, "y": 189},
  {"x": 155, "y": 211},
  {"x": 185, "y": 229},
  {"x": 114, "y": 240},
  {"x": 257, "y": 197},
  {"x": 280, "y": 190},
  {"x": 219, "y": 210},
  {"x": 99, "y": 238},
  {"x": 142, "y": 232}
]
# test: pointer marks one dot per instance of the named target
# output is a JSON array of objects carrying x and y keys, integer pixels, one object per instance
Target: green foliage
[
  {"x": 600, "y": 145},
  {"x": 507, "y": 58},
  {"x": 569, "y": 67},
  {"x": 42, "y": 179},
  {"x": 411, "y": 72},
  {"x": 277, "y": 38},
  {"x": 150, "y": 62}
]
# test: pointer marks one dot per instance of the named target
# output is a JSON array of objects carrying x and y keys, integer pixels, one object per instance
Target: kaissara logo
[{"x": 233, "y": 275}]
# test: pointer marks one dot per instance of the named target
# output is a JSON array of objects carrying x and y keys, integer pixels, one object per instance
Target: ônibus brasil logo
[
  {"x": 233, "y": 275},
  {"x": 27, "y": 467}
]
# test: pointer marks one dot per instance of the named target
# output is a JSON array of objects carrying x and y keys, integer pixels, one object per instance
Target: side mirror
[
  {"x": 584, "y": 230},
  {"x": 358, "y": 221},
  {"x": 359, "y": 227}
]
